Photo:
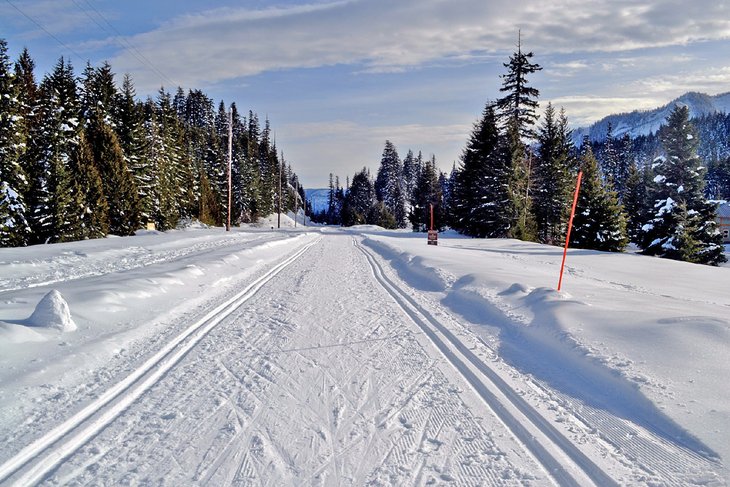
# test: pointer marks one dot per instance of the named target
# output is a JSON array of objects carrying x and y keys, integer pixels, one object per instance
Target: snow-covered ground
[{"x": 351, "y": 357}]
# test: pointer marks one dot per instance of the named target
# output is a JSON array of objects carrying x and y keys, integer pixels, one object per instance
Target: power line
[
  {"x": 124, "y": 43},
  {"x": 44, "y": 30}
]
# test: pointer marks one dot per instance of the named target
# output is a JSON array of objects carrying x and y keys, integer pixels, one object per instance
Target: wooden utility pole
[
  {"x": 296, "y": 204},
  {"x": 230, "y": 159},
  {"x": 278, "y": 217}
]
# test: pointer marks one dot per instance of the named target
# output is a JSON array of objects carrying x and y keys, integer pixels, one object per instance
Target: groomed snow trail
[
  {"x": 325, "y": 367},
  {"x": 63, "y": 440},
  {"x": 317, "y": 379}
]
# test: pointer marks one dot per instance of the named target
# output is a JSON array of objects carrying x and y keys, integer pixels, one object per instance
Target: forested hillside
[
  {"x": 80, "y": 158},
  {"x": 517, "y": 174}
]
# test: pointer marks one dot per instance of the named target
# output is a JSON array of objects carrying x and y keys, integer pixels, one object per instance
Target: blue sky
[{"x": 338, "y": 78}]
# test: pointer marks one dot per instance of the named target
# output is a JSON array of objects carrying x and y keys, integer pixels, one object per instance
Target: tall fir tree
[
  {"x": 482, "y": 206},
  {"x": 94, "y": 209},
  {"x": 599, "y": 222},
  {"x": 517, "y": 110},
  {"x": 683, "y": 224},
  {"x": 14, "y": 227},
  {"x": 56, "y": 207},
  {"x": 119, "y": 185},
  {"x": 133, "y": 132},
  {"x": 552, "y": 181},
  {"x": 410, "y": 175},
  {"x": 389, "y": 184},
  {"x": 426, "y": 195},
  {"x": 635, "y": 201}
]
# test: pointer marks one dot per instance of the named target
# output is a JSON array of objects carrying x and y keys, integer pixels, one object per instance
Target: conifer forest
[{"x": 81, "y": 158}]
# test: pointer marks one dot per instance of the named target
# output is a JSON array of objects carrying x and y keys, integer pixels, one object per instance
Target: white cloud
[
  {"x": 386, "y": 36},
  {"x": 584, "y": 110}
]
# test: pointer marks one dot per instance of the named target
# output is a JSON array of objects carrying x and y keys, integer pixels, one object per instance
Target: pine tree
[
  {"x": 599, "y": 222},
  {"x": 517, "y": 110},
  {"x": 56, "y": 205},
  {"x": 635, "y": 201},
  {"x": 608, "y": 158},
  {"x": 683, "y": 224},
  {"x": 427, "y": 193},
  {"x": 119, "y": 187},
  {"x": 389, "y": 185},
  {"x": 482, "y": 206},
  {"x": 552, "y": 182},
  {"x": 94, "y": 209},
  {"x": 518, "y": 107},
  {"x": 625, "y": 154},
  {"x": 14, "y": 228},
  {"x": 410, "y": 175},
  {"x": 359, "y": 199},
  {"x": 134, "y": 140}
]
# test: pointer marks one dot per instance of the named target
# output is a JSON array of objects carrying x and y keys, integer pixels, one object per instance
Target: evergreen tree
[
  {"x": 482, "y": 206},
  {"x": 134, "y": 136},
  {"x": 119, "y": 187},
  {"x": 410, "y": 175},
  {"x": 359, "y": 200},
  {"x": 718, "y": 180},
  {"x": 552, "y": 181},
  {"x": 682, "y": 225},
  {"x": 517, "y": 110},
  {"x": 388, "y": 184},
  {"x": 93, "y": 209},
  {"x": 426, "y": 194},
  {"x": 56, "y": 205},
  {"x": 609, "y": 158},
  {"x": 14, "y": 228},
  {"x": 518, "y": 107},
  {"x": 208, "y": 212},
  {"x": 625, "y": 161},
  {"x": 599, "y": 222},
  {"x": 635, "y": 201}
]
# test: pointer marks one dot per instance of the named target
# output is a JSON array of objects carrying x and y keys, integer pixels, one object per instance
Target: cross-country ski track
[{"x": 328, "y": 367}]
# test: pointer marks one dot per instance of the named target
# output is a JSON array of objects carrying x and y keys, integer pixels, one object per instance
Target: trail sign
[{"x": 433, "y": 237}]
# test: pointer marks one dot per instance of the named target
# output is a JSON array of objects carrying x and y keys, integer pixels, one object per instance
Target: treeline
[
  {"x": 81, "y": 159},
  {"x": 516, "y": 179},
  {"x": 713, "y": 132}
]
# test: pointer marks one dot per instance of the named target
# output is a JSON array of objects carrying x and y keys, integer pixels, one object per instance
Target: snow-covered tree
[
  {"x": 481, "y": 201},
  {"x": 682, "y": 225},
  {"x": 635, "y": 201},
  {"x": 517, "y": 110},
  {"x": 552, "y": 179},
  {"x": 359, "y": 200},
  {"x": 14, "y": 228},
  {"x": 427, "y": 194},
  {"x": 389, "y": 185},
  {"x": 599, "y": 222}
]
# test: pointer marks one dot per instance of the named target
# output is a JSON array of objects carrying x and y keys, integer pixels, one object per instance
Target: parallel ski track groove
[
  {"x": 425, "y": 321},
  {"x": 69, "y": 436}
]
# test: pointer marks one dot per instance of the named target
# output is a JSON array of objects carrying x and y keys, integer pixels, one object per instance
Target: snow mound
[
  {"x": 12, "y": 333},
  {"x": 52, "y": 312}
]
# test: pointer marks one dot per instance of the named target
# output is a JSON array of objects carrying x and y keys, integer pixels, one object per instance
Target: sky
[{"x": 338, "y": 78}]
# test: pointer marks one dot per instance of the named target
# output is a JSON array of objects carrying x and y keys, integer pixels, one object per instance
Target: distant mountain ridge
[{"x": 647, "y": 122}]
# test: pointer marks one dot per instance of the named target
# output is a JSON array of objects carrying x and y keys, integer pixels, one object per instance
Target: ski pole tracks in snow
[
  {"x": 66, "y": 438},
  {"x": 507, "y": 408}
]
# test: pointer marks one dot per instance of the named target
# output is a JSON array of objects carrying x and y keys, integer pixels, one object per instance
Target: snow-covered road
[{"x": 313, "y": 359}]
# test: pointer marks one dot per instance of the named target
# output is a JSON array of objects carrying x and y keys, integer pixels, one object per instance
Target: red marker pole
[{"x": 570, "y": 227}]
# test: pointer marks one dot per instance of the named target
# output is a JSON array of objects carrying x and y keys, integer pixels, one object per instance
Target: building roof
[{"x": 723, "y": 211}]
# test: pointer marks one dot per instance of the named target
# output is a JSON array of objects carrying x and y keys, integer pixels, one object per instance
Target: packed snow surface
[{"x": 322, "y": 356}]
